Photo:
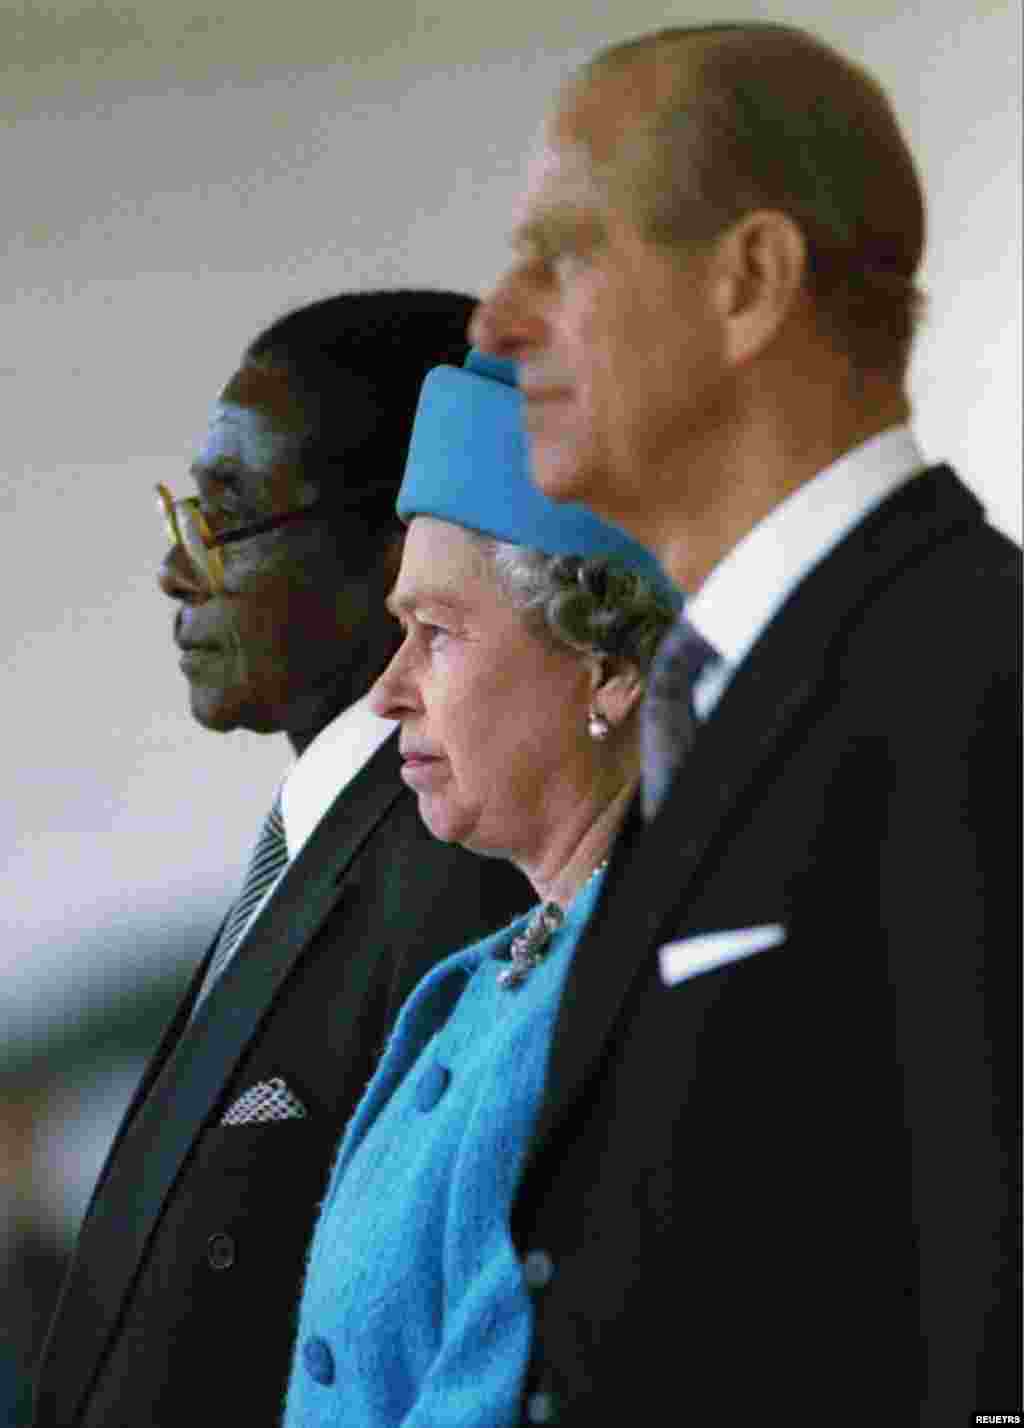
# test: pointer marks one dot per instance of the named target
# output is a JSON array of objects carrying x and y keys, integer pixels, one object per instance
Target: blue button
[
  {"x": 317, "y": 1356},
  {"x": 433, "y": 1084}
]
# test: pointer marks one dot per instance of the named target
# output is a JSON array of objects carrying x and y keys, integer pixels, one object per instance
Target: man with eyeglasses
[{"x": 180, "y": 1300}]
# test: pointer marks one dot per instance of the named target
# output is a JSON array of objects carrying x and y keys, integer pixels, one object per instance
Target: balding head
[{"x": 693, "y": 128}]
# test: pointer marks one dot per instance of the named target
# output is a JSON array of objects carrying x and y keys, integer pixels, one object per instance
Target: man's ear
[
  {"x": 618, "y": 690},
  {"x": 760, "y": 264}
]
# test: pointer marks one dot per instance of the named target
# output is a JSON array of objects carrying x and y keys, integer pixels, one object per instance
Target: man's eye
[
  {"x": 217, "y": 518},
  {"x": 224, "y": 518},
  {"x": 569, "y": 262}
]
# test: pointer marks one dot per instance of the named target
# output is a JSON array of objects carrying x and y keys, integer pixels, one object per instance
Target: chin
[
  {"x": 463, "y": 829},
  {"x": 436, "y": 823},
  {"x": 446, "y": 823},
  {"x": 223, "y": 717},
  {"x": 212, "y": 716},
  {"x": 562, "y": 471}
]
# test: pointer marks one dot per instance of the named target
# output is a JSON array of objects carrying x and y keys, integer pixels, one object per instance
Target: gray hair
[{"x": 594, "y": 606}]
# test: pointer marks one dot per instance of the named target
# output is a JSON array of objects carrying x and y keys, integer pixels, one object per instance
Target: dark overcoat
[{"x": 781, "y": 1187}]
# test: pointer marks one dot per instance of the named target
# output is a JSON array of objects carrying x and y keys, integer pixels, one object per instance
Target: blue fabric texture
[
  {"x": 414, "y": 1294},
  {"x": 468, "y": 463}
]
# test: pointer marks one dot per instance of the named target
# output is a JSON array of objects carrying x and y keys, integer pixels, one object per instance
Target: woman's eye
[{"x": 432, "y": 635}]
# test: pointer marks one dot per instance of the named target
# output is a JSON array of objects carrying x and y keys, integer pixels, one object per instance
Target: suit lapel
[
  {"x": 300, "y": 903},
  {"x": 168, "y": 1041},
  {"x": 186, "y": 1087},
  {"x": 171, "y": 1035},
  {"x": 764, "y": 711}
]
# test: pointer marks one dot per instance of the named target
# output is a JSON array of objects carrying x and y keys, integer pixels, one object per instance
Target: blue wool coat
[{"x": 416, "y": 1310}]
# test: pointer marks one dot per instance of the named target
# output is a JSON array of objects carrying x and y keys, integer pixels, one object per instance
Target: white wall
[{"x": 173, "y": 178}]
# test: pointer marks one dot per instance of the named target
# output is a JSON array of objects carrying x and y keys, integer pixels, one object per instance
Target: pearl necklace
[{"x": 529, "y": 949}]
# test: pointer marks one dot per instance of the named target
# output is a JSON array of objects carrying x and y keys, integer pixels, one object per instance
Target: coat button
[
  {"x": 319, "y": 1361},
  {"x": 220, "y": 1251},
  {"x": 538, "y": 1269},
  {"x": 432, "y": 1086},
  {"x": 542, "y": 1408}
]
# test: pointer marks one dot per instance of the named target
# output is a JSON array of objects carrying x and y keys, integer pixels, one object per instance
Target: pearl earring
[{"x": 597, "y": 725}]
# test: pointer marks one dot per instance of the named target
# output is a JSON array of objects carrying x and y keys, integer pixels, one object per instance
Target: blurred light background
[{"x": 177, "y": 174}]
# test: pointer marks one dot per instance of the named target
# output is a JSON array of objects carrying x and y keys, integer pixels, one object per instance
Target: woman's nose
[
  {"x": 503, "y": 322},
  {"x": 393, "y": 694},
  {"x": 178, "y": 578}
]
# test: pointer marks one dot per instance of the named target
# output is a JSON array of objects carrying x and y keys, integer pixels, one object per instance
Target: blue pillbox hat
[{"x": 468, "y": 463}]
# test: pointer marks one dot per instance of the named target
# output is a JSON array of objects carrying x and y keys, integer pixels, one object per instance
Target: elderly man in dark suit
[
  {"x": 180, "y": 1302},
  {"x": 774, "y": 1175}
]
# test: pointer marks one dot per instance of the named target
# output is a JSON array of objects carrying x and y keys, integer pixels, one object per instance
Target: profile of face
[
  {"x": 493, "y": 717},
  {"x": 619, "y": 344},
  {"x": 269, "y": 651}
]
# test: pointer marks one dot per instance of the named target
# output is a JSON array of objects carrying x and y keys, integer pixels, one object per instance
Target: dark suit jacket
[
  {"x": 180, "y": 1303},
  {"x": 782, "y": 1190}
]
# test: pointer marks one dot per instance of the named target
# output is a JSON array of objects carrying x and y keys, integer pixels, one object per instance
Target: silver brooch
[{"x": 530, "y": 948}]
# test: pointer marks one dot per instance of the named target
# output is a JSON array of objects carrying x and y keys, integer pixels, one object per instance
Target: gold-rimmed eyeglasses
[{"x": 187, "y": 526}]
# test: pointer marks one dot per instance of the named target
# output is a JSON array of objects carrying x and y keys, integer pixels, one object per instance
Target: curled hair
[{"x": 595, "y": 606}]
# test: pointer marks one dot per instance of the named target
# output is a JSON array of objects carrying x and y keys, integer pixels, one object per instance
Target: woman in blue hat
[{"x": 528, "y": 629}]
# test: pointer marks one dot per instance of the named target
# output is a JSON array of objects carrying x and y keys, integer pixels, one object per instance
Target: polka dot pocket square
[{"x": 266, "y": 1101}]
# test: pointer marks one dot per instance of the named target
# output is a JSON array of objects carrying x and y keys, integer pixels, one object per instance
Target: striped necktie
[
  {"x": 269, "y": 858},
  {"x": 668, "y": 723}
]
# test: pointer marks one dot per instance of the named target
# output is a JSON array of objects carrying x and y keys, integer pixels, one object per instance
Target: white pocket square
[{"x": 707, "y": 950}]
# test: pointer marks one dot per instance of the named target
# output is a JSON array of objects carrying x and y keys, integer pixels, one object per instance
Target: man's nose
[
  {"x": 178, "y": 578},
  {"x": 504, "y": 322}
]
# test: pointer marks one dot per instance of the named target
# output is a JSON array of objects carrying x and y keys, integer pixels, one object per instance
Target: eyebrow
[
  {"x": 220, "y": 470},
  {"x": 543, "y": 232},
  {"x": 405, "y": 604}
]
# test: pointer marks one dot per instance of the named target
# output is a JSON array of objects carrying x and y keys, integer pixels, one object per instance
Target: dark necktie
[
  {"x": 668, "y": 723},
  {"x": 269, "y": 857}
]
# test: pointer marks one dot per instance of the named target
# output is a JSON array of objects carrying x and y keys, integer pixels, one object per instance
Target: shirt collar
[
  {"x": 749, "y": 584},
  {"x": 326, "y": 766}
]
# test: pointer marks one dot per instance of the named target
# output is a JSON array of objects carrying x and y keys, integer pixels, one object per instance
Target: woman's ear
[{"x": 618, "y": 691}]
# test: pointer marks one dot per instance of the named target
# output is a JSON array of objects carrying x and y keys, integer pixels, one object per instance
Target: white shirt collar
[
  {"x": 749, "y": 584},
  {"x": 326, "y": 766}
]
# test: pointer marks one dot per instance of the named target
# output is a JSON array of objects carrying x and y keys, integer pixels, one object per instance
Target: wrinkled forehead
[
  {"x": 560, "y": 181},
  {"x": 254, "y": 423},
  {"x": 583, "y": 152},
  {"x": 242, "y": 437},
  {"x": 560, "y": 162},
  {"x": 441, "y": 557}
]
